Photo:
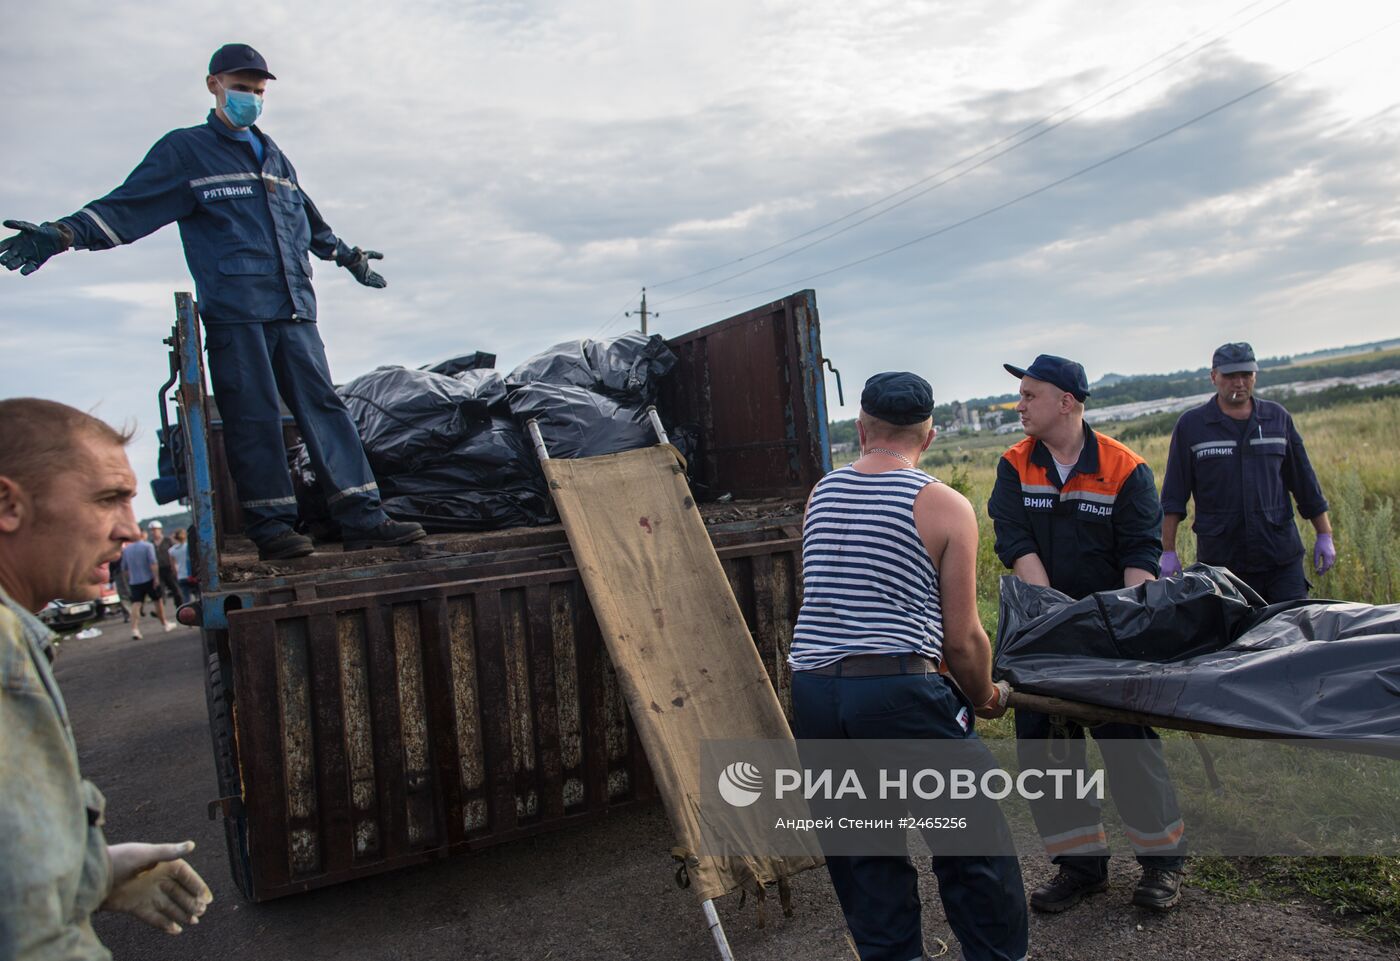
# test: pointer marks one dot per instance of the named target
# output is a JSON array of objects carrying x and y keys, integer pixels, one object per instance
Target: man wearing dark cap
[
  {"x": 888, "y": 612},
  {"x": 1078, "y": 511},
  {"x": 247, "y": 227},
  {"x": 1244, "y": 462}
]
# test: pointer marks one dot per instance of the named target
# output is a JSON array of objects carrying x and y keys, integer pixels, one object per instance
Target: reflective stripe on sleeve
[{"x": 102, "y": 225}]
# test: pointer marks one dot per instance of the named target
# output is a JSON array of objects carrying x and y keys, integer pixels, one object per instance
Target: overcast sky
[{"x": 527, "y": 166}]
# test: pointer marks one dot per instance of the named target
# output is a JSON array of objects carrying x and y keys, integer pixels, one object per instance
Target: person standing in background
[
  {"x": 143, "y": 575},
  {"x": 1244, "y": 462}
]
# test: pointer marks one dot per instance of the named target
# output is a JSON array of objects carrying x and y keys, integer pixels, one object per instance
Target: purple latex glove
[
  {"x": 1324, "y": 554},
  {"x": 1171, "y": 564}
]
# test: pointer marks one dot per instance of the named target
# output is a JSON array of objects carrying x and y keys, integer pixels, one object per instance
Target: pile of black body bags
[{"x": 448, "y": 445}]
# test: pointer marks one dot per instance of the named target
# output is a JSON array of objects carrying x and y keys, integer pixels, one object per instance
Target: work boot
[
  {"x": 285, "y": 546},
  {"x": 1158, "y": 890},
  {"x": 1066, "y": 890},
  {"x": 388, "y": 534}
]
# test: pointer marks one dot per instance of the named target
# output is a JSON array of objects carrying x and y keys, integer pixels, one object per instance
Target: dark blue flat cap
[
  {"x": 1065, "y": 374},
  {"x": 898, "y": 397},
  {"x": 233, "y": 57},
  {"x": 1233, "y": 358}
]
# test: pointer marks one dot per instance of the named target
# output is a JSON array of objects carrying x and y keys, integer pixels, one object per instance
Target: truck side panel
[
  {"x": 753, "y": 385},
  {"x": 381, "y": 730}
]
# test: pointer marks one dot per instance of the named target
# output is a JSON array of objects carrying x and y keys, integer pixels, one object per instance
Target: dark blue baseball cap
[
  {"x": 233, "y": 57},
  {"x": 1065, "y": 374},
  {"x": 1233, "y": 358},
  {"x": 898, "y": 397}
]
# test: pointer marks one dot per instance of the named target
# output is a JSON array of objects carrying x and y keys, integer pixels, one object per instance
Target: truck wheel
[{"x": 218, "y": 693}]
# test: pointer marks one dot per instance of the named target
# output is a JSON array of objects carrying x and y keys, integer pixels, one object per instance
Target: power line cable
[
  {"x": 979, "y": 164},
  {"x": 1054, "y": 183},
  {"x": 613, "y": 317},
  {"x": 992, "y": 146}
]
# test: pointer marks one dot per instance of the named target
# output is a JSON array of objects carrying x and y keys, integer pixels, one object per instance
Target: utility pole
[{"x": 643, "y": 312}]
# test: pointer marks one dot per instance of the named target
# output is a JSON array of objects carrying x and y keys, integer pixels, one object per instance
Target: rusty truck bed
[
  {"x": 240, "y": 564},
  {"x": 375, "y": 709}
]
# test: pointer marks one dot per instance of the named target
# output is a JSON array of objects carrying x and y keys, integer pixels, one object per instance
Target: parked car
[
  {"x": 110, "y": 602},
  {"x": 68, "y": 617}
]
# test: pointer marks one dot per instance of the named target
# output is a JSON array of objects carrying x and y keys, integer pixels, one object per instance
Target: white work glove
[{"x": 152, "y": 883}]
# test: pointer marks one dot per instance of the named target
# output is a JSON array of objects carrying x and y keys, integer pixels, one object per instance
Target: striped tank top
[{"x": 868, "y": 586}]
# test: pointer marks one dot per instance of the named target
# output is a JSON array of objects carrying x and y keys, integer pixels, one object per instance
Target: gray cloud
[{"x": 522, "y": 179}]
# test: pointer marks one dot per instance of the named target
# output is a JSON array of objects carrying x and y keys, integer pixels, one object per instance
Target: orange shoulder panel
[
  {"x": 1116, "y": 458},
  {"x": 1116, "y": 463},
  {"x": 1019, "y": 455}
]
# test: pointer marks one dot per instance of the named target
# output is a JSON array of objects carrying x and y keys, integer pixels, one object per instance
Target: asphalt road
[{"x": 598, "y": 891}]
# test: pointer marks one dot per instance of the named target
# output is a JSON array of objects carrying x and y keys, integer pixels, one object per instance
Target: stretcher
[{"x": 685, "y": 660}]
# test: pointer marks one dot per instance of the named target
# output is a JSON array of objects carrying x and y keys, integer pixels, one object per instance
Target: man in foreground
[
  {"x": 1078, "y": 512},
  {"x": 65, "y": 511},
  {"x": 1241, "y": 458},
  {"x": 247, "y": 227},
  {"x": 889, "y": 566}
]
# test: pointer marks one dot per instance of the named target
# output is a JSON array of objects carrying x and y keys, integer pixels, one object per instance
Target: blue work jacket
[
  {"x": 1242, "y": 485},
  {"x": 246, "y": 228}
]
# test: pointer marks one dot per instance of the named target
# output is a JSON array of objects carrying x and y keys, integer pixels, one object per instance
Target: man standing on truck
[
  {"x": 247, "y": 226},
  {"x": 1078, "y": 511},
  {"x": 65, "y": 511},
  {"x": 889, "y": 598},
  {"x": 1243, "y": 460}
]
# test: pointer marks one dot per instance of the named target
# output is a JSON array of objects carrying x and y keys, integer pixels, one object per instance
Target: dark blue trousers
[
  {"x": 983, "y": 897},
  {"x": 1072, "y": 829},
  {"x": 1286, "y": 583},
  {"x": 250, "y": 365}
]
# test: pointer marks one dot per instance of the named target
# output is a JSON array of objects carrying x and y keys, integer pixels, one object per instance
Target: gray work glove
[
  {"x": 357, "y": 261},
  {"x": 27, "y": 250}
]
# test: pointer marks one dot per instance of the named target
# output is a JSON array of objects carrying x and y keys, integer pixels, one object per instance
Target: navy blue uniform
[
  {"x": 1244, "y": 476},
  {"x": 247, "y": 228},
  {"x": 1086, "y": 529}
]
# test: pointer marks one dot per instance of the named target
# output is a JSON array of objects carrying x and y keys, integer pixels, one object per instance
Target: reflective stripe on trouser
[
  {"x": 250, "y": 365},
  {"x": 983, "y": 898},
  {"x": 1136, "y": 772}
]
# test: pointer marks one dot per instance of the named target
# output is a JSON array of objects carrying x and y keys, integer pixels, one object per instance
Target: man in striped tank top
[
  {"x": 1078, "y": 512},
  {"x": 888, "y": 566}
]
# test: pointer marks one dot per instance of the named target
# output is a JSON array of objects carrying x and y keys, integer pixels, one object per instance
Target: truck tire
[{"x": 218, "y": 693}]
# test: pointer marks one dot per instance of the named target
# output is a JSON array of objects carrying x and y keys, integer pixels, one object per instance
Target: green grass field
[{"x": 1353, "y": 447}]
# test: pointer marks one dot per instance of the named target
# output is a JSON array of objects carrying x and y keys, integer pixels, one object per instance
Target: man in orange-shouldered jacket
[{"x": 1078, "y": 511}]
